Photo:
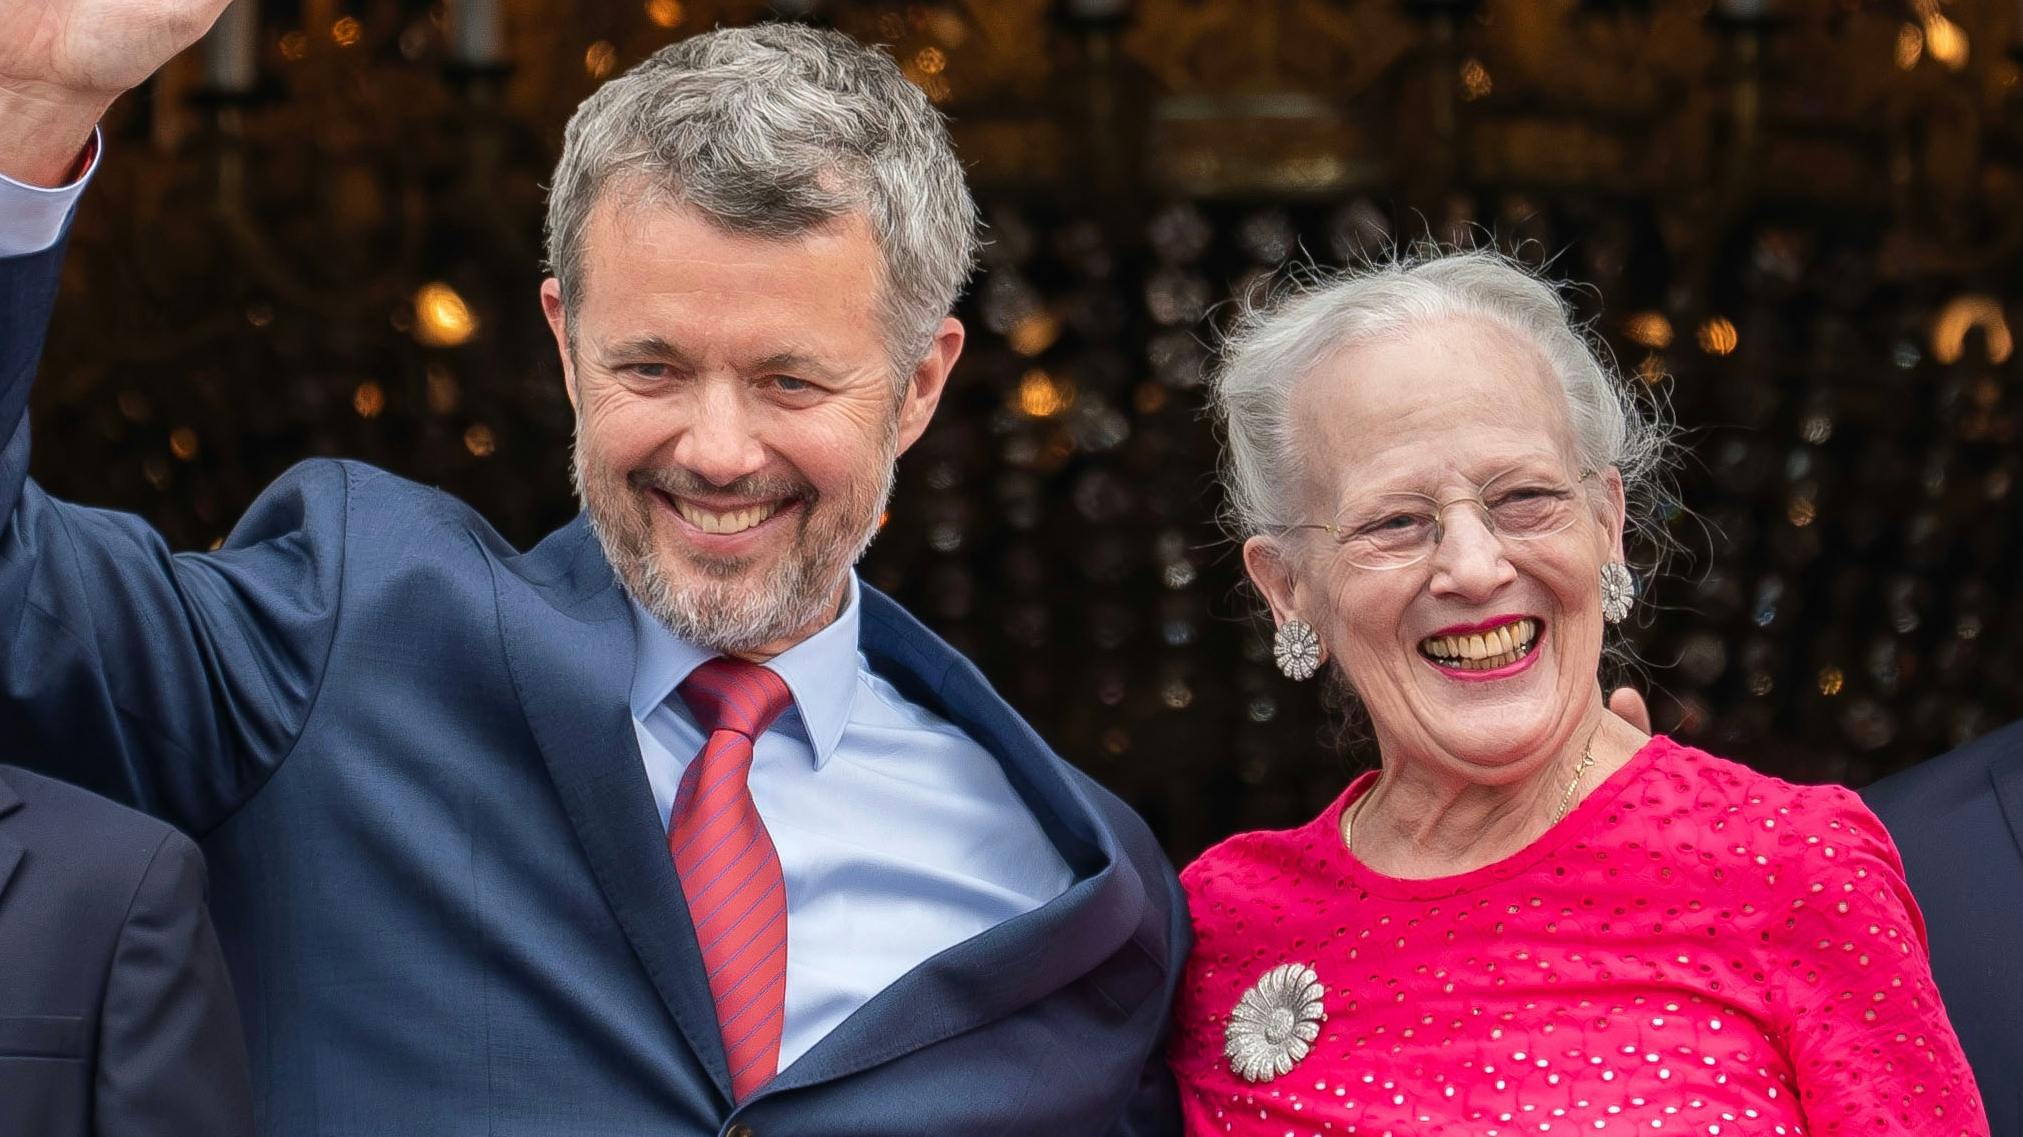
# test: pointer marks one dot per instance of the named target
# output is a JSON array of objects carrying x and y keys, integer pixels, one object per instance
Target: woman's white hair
[{"x": 1313, "y": 314}]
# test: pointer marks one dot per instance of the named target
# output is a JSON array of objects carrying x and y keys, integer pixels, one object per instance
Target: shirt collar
[{"x": 820, "y": 672}]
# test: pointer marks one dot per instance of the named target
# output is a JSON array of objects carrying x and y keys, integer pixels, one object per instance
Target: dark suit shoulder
[
  {"x": 77, "y": 818},
  {"x": 387, "y": 537},
  {"x": 89, "y": 850},
  {"x": 1946, "y": 784},
  {"x": 374, "y": 500}
]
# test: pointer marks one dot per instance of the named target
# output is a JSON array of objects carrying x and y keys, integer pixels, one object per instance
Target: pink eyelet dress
[{"x": 1695, "y": 948}]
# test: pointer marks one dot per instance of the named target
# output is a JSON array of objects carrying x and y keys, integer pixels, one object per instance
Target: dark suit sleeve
[
  {"x": 1154, "y": 1107},
  {"x": 171, "y": 1057},
  {"x": 172, "y": 682}
]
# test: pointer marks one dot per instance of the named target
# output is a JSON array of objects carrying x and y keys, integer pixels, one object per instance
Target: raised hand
[
  {"x": 1629, "y": 706},
  {"x": 62, "y": 62},
  {"x": 95, "y": 47}
]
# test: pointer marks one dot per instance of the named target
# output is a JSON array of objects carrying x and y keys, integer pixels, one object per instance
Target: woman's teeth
[
  {"x": 724, "y": 521},
  {"x": 1482, "y": 651}
]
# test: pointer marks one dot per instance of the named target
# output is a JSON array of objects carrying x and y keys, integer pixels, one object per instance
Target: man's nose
[{"x": 720, "y": 441}]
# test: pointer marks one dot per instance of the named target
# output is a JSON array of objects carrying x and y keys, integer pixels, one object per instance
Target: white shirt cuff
[{"x": 33, "y": 217}]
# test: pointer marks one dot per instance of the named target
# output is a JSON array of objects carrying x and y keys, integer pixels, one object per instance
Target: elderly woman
[{"x": 1533, "y": 918}]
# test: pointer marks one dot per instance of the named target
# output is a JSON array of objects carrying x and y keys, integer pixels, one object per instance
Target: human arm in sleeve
[
  {"x": 1870, "y": 1046},
  {"x": 172, "y": 682},
  {"x": 171, "y": 1056},
  {"x": 1154, "y": 1108},
  {"x": 33, "y": 217}
]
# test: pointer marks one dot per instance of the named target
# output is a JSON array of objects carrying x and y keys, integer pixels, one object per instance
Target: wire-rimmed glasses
[{"x": 1399, "y": 530}]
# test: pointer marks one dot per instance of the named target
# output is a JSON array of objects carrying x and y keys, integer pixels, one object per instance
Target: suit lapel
[
  {"x": 10, "y": 849},
  {"x": 1022, "y": 960},
  {"x": 570, "y": 645},
  {"x": 2007, "y": 774}
]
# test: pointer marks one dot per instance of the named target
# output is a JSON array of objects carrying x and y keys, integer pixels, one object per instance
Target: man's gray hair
[
  {"x": 771, "y": 131},
  {"x": 1276, "y": 343}
]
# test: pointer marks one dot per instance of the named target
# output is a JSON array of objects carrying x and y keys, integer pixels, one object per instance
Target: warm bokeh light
[
  {"x": 480, "y": 441},
  {"x": 368, "y": 400},
  {"x": 346, "y": 32},
  {"x": 1718, "y": 336},
  {"x": 601, "y": 59},
  {"x": 1034, "y": 333},
  {"x": 1831, "y": 680},
  {"x": 1475, "y": 80},
  {"x": 665, "y": 13},
  {"x": 1650, "y": 329},
  {"x": 294, "y": 47},
  {"x": 1910, "y": 46},
  {"x": 1946, "y": 41},
  {"x": 441, "y": 318},
  {"x": 183, "y": 443},
  {"x": 1965, "y": 313},
  {"x": 1041, "y": 395}
]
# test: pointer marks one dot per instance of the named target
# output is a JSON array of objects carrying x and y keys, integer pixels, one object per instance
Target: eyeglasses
[{"x": 1399, "y": 530}]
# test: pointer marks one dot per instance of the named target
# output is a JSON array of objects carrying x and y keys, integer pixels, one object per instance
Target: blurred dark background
[{"x": 1798, "y": 222}]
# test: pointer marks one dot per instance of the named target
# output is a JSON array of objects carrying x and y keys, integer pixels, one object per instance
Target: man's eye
[
  {"x": 791, "y": 385},
  {"x": 646, "y": 370}
]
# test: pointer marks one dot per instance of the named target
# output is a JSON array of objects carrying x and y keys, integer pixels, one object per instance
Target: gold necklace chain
[{"x": 1587, "y": 760}]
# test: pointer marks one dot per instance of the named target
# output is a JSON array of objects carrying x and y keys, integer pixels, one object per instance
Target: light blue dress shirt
[
  {"x": 31, "y": 217},
  {"x": 899, "y": 836}
]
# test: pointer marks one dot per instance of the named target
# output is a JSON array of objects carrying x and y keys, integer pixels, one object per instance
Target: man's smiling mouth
[{"x": 723, "y": 522}]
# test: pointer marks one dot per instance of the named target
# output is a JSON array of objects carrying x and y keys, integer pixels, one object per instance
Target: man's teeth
[
  {"x": 1483, "y": 651},
  {"x": 726, "y": 521}
]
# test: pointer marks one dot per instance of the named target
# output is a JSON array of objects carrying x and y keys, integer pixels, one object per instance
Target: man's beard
[{"x": 730, "y": 605}]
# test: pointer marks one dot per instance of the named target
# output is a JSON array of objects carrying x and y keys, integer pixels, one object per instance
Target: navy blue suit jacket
[
  {"x": 438, "y": 871},
  {"x": 116, "y": 1017},
  {"x": 1958, "y": 819}
]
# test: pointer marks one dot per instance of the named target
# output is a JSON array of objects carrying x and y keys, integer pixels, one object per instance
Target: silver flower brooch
[{"x": 1275, "y": 1023}]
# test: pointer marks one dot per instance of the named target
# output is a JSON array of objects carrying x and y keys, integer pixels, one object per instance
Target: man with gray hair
[{"x": 668, "y": 824}]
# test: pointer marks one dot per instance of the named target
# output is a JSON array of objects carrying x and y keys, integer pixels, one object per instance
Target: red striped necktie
[{"x": 737, "y": 897}]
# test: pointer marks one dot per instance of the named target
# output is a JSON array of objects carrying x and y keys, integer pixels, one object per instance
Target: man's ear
[
  {"x": 558, "y": 323},
  {"x": 929, "y": 379}
]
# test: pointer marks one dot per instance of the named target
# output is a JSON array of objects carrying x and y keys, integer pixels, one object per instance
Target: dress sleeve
[{"x": 1870, "y": 1045}]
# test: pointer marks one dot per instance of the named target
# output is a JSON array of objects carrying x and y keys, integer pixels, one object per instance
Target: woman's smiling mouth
[{"x": 1484, "y": 649}]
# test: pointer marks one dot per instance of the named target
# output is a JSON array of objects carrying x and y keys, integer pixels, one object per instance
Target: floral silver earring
[
  {"x": 1619, "y": 588},
  {"x": 1296, "y": 649}
]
